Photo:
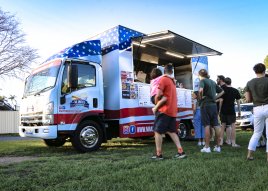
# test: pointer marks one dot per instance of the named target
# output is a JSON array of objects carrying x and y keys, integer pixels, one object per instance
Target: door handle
[{"x": 95, "y": 102}]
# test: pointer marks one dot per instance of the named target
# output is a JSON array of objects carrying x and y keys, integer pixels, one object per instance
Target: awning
[{"x": 175, "y": 45}]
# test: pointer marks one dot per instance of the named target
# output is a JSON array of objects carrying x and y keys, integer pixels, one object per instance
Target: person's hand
[{"x": 154, "y": 110}]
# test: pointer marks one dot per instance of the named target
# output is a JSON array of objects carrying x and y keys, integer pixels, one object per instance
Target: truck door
[{"x": 83, "y": 100}]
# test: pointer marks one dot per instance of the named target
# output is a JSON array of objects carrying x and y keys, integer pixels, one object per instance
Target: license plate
[{"x": 29, "y": 131}]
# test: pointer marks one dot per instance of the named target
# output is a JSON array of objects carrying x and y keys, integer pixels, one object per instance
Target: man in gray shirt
[
  {"x": 209, "y": 113},
  {"x": 257, "y": 91}
]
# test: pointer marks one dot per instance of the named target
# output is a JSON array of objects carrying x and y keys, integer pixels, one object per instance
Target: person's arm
[
  {"x": 200, "y": 91},
  {"x": 219, "y": 94},
  {"x": 159, "y": 104},
  {"x": 238, "y": 106},
  {"x": 220, "y": 100},
  {"x": 248, "y": 97}
]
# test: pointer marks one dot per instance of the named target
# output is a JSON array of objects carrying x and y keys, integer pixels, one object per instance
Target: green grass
[{"x": 125, "y": 164}]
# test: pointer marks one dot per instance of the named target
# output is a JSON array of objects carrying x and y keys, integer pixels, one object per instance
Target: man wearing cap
[{"x": 209, "y": 114}]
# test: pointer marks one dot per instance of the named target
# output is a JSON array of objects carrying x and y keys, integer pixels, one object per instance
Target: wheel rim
[
  {"x": 89, "y": 136},
  {"x": 182, "y": 133}
]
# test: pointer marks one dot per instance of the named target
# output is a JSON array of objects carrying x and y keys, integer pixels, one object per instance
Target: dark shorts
[
  {"x": 209, "y": 116},
  {"x": 164, "y": 123},
  {"x": 228, "y": 119}
]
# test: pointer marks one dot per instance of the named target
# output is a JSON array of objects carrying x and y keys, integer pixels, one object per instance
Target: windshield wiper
[{"x": 42, "y": 90}]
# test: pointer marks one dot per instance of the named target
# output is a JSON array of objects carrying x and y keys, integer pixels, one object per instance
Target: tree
[
  {"x": 266, "y": 62},
  {"x": 242, "y": 94},
  {"x": 15, "y": 56}
]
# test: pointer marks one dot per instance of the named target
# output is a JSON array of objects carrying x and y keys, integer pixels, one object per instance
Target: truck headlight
[
  {"x": 48, "y": 119},
  {"x": 49, "y": 109},
  {"x": 48, "y": 116}
]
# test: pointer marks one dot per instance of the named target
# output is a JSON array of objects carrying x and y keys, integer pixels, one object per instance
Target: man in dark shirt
[
  {"x": 222, "y": 84},
  {"x": 227, "y": 113},
  {"x": 257, "y": 91}
]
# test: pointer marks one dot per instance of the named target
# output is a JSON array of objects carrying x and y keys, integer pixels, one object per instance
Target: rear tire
[
  {"x": 58, "y": 142},
  {"x": 87, "y": 137},
  {"x": 182, "y": 133},
  {"x": 243, "y": 128}
]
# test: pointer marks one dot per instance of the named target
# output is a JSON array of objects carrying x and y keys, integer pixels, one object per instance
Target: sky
[{"x": 237, "y": 28}]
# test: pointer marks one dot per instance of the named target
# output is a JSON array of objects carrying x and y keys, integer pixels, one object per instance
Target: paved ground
[{"x": 15, "y": 138}]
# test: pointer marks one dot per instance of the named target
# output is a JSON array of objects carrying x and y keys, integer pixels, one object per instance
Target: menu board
[
  {"x": 144, "y": 95},
  {"x": 129, "y": 89},
  {"x": 184, "y": 97}
]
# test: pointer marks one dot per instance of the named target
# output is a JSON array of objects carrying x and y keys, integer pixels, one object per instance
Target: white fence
[{"x": 9, "y": 122}]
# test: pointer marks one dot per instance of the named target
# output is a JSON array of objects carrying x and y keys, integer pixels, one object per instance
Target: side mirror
[{"x": 72, "y": 76}]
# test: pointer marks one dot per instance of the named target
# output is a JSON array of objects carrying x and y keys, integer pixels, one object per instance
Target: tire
[
  {"x": 182, "y": 131},
  {"x": 87, "y": 137},
  {"x": 55, "y": 142},
  {"x": 243, "y": 128}
]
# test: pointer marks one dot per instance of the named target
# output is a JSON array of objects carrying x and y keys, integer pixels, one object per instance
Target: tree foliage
[
  {"x": 15, "y": 56},
  {"x": 242, "y": 94},
  {"x": 266, "y": 62}
]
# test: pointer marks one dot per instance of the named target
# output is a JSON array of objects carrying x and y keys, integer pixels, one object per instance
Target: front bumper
[{"x": 43, "y": 132}]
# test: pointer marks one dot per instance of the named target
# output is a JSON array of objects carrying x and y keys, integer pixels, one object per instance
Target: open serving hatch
[{"x": 159, "y": 49}]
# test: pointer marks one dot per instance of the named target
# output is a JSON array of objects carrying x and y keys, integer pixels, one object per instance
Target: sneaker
[
  {"x": 180, "y": 155},
  {"x": 205, "y": 150},
  {"x": 199, "y": 144},
  {"x": 217, "y": 149},
  {"x": 156, "y": 157},
  {"x": 228, "y": 142},
  {"x": 235, "y": 145},
  {"x": 203, "y": 143}
]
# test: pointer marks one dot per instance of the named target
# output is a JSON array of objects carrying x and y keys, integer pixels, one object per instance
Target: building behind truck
[{"x": 99, "y": 88}]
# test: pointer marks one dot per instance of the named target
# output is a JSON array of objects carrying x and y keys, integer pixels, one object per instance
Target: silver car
[{"x": 246, "y": 119}]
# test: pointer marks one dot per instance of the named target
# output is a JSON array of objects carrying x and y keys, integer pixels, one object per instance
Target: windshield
[
  {"x": 244, "y": 108},
  {"x": 42, "y": 79}
]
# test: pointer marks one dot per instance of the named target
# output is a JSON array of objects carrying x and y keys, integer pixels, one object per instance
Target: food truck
[{"x": 99, "y": 88}]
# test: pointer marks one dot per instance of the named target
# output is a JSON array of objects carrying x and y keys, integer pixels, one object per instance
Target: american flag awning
[{"x": 87, "y": 49}]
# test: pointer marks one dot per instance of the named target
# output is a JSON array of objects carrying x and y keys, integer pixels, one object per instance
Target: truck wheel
[
  {"x": 55, "y": 142},
  {"x": 182, "y": 133},
  {"x": 87, "y": 137}
]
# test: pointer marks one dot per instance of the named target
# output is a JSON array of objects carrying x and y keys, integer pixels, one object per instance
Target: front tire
[
  {"x": 87, "y": 137},
  {"x": 58, "y": 142}
]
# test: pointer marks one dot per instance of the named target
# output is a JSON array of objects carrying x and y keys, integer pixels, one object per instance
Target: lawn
[{"x": 125, "y": 164}]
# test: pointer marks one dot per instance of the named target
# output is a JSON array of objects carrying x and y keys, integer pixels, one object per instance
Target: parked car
[{"x": 245, "y": 121}]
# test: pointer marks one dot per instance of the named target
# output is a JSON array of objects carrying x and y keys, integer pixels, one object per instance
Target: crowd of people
[{"x": 214, "y": 110}]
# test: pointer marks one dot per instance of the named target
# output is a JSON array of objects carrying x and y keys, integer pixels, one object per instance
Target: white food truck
[{"x": 99, "y": 89}]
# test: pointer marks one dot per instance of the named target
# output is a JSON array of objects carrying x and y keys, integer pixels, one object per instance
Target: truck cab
[{"x": 59, "y": 95}]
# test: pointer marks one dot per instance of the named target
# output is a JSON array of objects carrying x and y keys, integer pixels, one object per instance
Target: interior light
[
  {"x": 202, "y": 54},
  {"x": 139, "y": 44},
  {"x": 157, "y": 33},
  {"x": 174, "y": 54},
  {"x": 158, "y": 38}
]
